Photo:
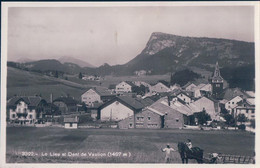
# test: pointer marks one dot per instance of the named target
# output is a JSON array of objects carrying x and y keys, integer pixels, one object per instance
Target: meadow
[
  {"x": 26, "y": 83},
  {"x": 141, "y": 146}
]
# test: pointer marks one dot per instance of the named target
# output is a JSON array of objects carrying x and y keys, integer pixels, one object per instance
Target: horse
[{"x": 186, "y": 153}]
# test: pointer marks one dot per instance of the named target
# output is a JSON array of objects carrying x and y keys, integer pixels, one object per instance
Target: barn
[{"x": 119, "y": 108}]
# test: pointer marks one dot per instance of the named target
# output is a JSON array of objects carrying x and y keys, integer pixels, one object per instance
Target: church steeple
[
  {"x": 217, "y": 77},
  {"x": 217, "y": 82}
]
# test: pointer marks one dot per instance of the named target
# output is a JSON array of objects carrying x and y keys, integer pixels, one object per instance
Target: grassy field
[
  {"x": 26, "y": 83},
  {"x": 143, "y": 145}
]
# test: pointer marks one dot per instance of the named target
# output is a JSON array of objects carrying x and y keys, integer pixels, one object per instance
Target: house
[
  {"x": 96, "y": 95},
  {"x": 246, "y": 107},
  {"x": 25, "y": 109},
  {"x": 71, "y": 122},
  {"x": 189, "y": 86},
  {"x": 158, "y": 115},
  {"x": 66, "y": 105},
  {"x": 94, "y": 110},
  {"x": 182, "y": 95},
  {"x": 125, "y": 86},
  {"x": 207, "y": 104},
  {"x": 175, "y": 86},
  {"x": 231, "y": 104},
  {"x": 119, "y": 108},
  {"x": 230, "y": 93},
  {"x": 148, "y": 118},
  {"x": 139, "y": 83},
  {"x": 159, "y": 88},
  {"x": 202, "y": 90},
  {"x": 140, "y": 73}
]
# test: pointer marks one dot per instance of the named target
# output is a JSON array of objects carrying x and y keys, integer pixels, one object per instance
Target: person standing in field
[{"x": 167, "y": 151}]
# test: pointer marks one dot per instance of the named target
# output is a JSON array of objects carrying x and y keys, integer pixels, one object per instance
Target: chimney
[
  {"x": 169, "y": 103},
  {"x": 51, "y": 98}
]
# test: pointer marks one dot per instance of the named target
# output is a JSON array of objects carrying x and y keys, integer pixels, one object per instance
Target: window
[
  {"x": 184, "y": 99},
  {"x": 24, "y": 110},
  {"x": 177, "y": 119},
  {"x": 130, "y": 125},
  {"x": 30, "y": 116},
  {"x": 140, "y": 118},
  {"x": 232, "y": 102},
  {"x": 13, "y": 116},
  {"x": 149, "y": 118},
  {"x": 71, "y": 124},
  {"x": 253, "y": 111},
  {"x": 228, "y": 102}
]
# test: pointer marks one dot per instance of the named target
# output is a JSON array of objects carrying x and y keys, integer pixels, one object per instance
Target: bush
[{"x": 242, "y": 127}]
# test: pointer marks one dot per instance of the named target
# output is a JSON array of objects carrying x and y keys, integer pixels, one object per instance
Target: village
[{"x": 137, "y": 104}]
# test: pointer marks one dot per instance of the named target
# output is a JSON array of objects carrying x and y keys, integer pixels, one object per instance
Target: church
[{"x": 217, "y": 82}]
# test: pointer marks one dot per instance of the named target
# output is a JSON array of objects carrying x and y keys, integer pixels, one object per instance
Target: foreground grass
[{"x": 143, "y": 145}]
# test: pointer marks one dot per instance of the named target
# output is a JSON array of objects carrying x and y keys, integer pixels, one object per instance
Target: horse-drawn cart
[{"x": 229, "y": 159}]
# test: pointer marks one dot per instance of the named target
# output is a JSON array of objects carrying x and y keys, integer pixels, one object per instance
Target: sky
[{"x": 115, "y": 35}]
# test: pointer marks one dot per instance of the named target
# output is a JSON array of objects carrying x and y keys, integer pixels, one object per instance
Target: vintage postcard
[{"x": 146, "y": 84}]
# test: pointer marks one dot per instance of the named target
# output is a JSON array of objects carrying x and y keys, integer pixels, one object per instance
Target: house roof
[
  {"x": 188, "y": 84},
  {"x": 162, "y": 106},
  {"x": 230, "y": 93},
  {"x": 95, "y": 105},
  {"x": 250, "y": 93},
  {"x": 66, "y": 100},
  {"x": 102, "y": 91},
  {"x": 130, "y": 83},
  {"x": 71, "y": 120},
  {"x": 146, "y": 102},
  {"x": 31, "y": 101},
  {"x": 250, "y": 101},
  {"x": 155, "y": 111},
  {"x": 127, "y": 101}
]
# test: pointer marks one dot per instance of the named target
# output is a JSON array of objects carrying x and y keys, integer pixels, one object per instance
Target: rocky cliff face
[{"x": 170, "y": 52}]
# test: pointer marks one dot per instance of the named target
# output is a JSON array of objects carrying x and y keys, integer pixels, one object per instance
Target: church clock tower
[{"x": 217, "y": 82}]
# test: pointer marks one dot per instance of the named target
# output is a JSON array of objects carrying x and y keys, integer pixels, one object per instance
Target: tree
[
  {"x": 224, "y": 111},
  {"x": 140, "y": 90},
  {"x": 80, "y": 75},
  {"x": 230, "y": 120},
  {"x": 241, "y": 118},
  {"x": 202, "y": 117}
]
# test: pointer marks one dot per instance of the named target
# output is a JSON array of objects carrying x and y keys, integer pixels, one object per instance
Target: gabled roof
[
  {"x": 161, "y": 83},
  {"x": 128, "y": 101},
  {"x": 155, "y": 111},
  {"x": 250, "y": 101},
  {"x": 176, "y": 92},
  {"x": 31, "y": 101},
  {"x": 66, "y": 100},
  {"x": 188, "y": 84},
  {"x": 130, "y": 83},
  {"x": 102, "y": 91},
  {"x": 230, "y": 93},
  {"x": 250, "y": 94},
  {"x": 146, "y": 102},
  {"x": 71, "y": 120},
  {"x": 162, "y": 108}
]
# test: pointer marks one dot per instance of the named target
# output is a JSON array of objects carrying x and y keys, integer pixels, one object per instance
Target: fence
[{"x": 236, "y": 159}]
